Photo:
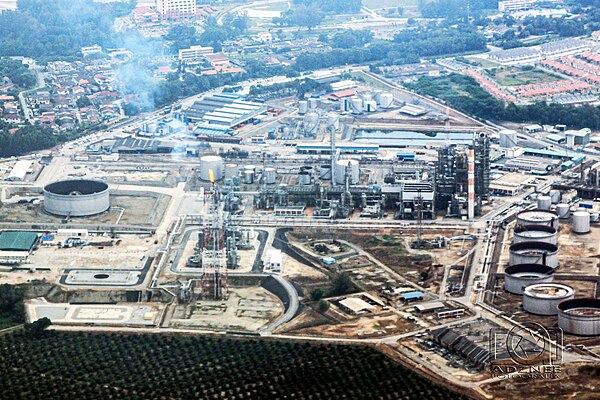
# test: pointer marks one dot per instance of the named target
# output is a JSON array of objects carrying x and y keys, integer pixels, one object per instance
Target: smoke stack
[{"x": 471, "y": 182}]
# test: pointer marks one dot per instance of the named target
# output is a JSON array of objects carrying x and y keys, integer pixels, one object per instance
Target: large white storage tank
[
  {"x": 534, "y": 253},
  {"x": 544, "y": 298},
  {"x": 538, "y": 217},
  {"x": 580, "y": 316},
  {"x": 349, "y": 167},
  {"x": 270, "y": 176},
  {"x": 535, "y": 233},
  {"x": 581, "y": 222},
  {"x": 555, "y": 196},
  {"x": 544, "y": 202},
  {"x": 386, "y": 100},
  {"x": 76, "y": 198},
  {"x": 357, "y": 105},
  {"x": 517, "y": 277},
  {"x": 231, "y": 170},
  {"x": 208, "y": 163},
  {"x": 563, "y": 210},
  {"x": 333, "y": 120},
  {"x": 325, "y": 171},
  {"x": 302, "y": 107},
  {"x": 311, "y": 124},
  {"x": 508, "y": 138}
]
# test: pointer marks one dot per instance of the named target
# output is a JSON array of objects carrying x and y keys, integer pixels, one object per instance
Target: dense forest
[
  {"x": 310, "y": 13},
  {"x": 12, "y": 311},
  {"x": 45, "y": 29},
  {"x": 18, "y": 73},
  {"x": 455, "y": 8},
  {"x": 29, "y": 138},
  {"x": 463, "y": 93},
  {"x": 73, "y": 365}
]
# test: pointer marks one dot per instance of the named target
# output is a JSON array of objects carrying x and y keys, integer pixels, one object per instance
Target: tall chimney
[{"x": 471, "y": 182}]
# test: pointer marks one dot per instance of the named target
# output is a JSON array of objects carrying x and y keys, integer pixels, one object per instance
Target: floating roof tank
[
  {"x": 544, "y": 298},
  {"x": 517, "y": 277},
  {"x": 535, "y": 233},
  {"x": 538, "y": 217},
  {"x": 534, "y": 253},
  {"x": 580, "y": 316},
  {"x": 76, "y": 198}
]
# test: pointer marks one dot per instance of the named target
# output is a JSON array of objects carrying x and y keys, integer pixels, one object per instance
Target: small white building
[{"x": 274, "y": 261}]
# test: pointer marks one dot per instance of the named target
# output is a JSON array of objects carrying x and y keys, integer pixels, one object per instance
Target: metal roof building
[
  {"x": 17, "y": 240},
  {"x": 223, "y": 109},
  {"x": 20, "y": 170}
]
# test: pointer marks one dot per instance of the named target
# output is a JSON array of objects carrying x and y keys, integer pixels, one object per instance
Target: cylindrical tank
[
  {"x": 563, "y": 210},
  {"x": 208, "y": 163},
  {"x": 302, "y": 107},
  {"x": 538, "y": 217},
  {"x": 367, "y": 96},
  {"x": 555, "y": 196},
  {"x": 248, "y": 176},
  {"x": 304, "y": 178},
  {"x": 251, "y": 167},
  {"x": 270, "y": 176},
  {"x": 534, "y": 253},
  {"x": 345, "y": 104},
  {"x": 231, "y": 170},
  {"x": 517, "y": 277},
  {"x": 76, "y": 198},
  {"x": 534, "y": 233},
  {"x": 594, "y": 217},
  {"x": 350, "y": 167},
  {"x": 544, "y": 298},
  {"x": 357, "y": 105},
  {"x": 333, "y": 120},
  {"x": 580, "y": 316},
  {"x": 311, "y": 124},
  {"x": 581, "y": 222},
  {"x": 313, "y": 103},
  {"x": 544, "y": 202},
  {"x": 325, "y": 171},
  {"x": 377, "y": 95},
  {"x": 386, "y": 100},
  {"x": 370, "y": 106}
]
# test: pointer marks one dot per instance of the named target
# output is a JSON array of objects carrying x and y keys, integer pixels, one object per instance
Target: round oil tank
[
  {"x": 250, "y": 167},
  {"x": 349, "y": 167},
  {"x": 304, "y": 178},
  {"x": 555, "y": 196},
  {"x": 538, "y": 217},
  {"x": 580, "y": 316},
  {"x": 302, "y": 107},
  {"x": 325, "y": 171},
  {"x": 208, "y": 163},
  {"x": 386, "y": 100},
  {"x": 581, "y": 222},
  {"x": 534, "y": 253},
  {"x": 248, "y": 176},
  {"x": 544, "y": 202},
  {"x": 231, "y": 170},
  {"x": 563, "y": 210},
  {"x": 270, "y": 176},
  {"x": 370, "y": 106},
  {"x": 76, "y": 198},
  {"x": 311, "y": 124},
  {"x": 357, "y": 105},
  {"x": 313, "y": 103},
  {"x": 517, "y": 277},
  {"x": 333, "y": 120},
  {"x": 534, "y": 233},
  {"x": 594, "y": 217},
  {"x": 544, "y": 298}
]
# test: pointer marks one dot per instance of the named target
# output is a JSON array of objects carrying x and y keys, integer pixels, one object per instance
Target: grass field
[
  {"x": 515, "y": 77},
  {"x": 116, "y": 366}
]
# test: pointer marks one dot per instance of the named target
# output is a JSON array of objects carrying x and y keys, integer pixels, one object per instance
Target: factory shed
[
  {"x": 412, "y": 296},
  {"x": 20, "y": 170},
  {"x": 356, "y": 306},
  {"x": 430, "y": 307},
  {"x": 17, "y": 241}
]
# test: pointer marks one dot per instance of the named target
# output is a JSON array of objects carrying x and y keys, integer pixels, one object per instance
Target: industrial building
[
  {"x": 224, "y": 110},
  {"x": 20, "y": 170}
]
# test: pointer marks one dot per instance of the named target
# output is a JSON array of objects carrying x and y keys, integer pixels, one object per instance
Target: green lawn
[{"x": 515, "y": 77}]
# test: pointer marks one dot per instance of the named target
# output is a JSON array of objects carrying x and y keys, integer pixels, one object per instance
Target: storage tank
[
  {"x": 377, "y": 95},
  {"x": 208, "y": 163},
  {"x": 230, "y": 171},
  {"x": 581, "y": 222},
  {"x": 270, "y": 176},
  {"x": 508, "y": 138},
  {"x": 333, "y": 120},
  {"x": 325, "y": 171},
  {"x": 302, "y": 107},
  {"x": 594, "y": 217},
  {"x": 367, "y": 96},
  {"x": 304, "y": 178},
  {"x": 538, "y": 217},
  {"x": 563, "y": 210},
  {"x": 544, "y": 202},
  {"x": 386, "y": 100},
  {"x": 76, "y": 198},
  {"x": 534, "y": 233},
  {"x": 248, "y": 176},
  {"x": 580, "y": 316},
  {"x": 313, "y": 103},
  {"x": 544, "y": 298},
  {"x": 370, "y": 106},
  {"x": 534, "y": 253},
  {"x": 345, "y": 105},
  {"x": 250, "y": 167},
  {"x": 311, "y": 124},
  {"x": 357, "y": 105},
  {"x": 349, "y": 166},
  {"x": 517, "y": 277},
  {"x": 555, "y": 196}
]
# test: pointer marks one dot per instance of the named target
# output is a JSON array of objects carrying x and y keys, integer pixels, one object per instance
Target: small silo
[
  {"x": 544, "y": 202},
  {"x": 534, "y": 253},
  {"x": 581, "y": 222},
  {"x": 357, "y": 105},
  {"x": 347, "y": 167},
  {"x": 333, "y": 121},
  {"x": 248, "y": 176},
  {"x": 517, "y": 277},
  {"x": 563, "y": 210},
  {"x": 386, "y": 100},
  {"x": 270, "y": 176},
  {"x": 313, "y": 103},
  {"x": 370, "y": 106},
  {"x": 311, "y": 124},
  {"x": 304, "y": 178},
  {"x": 544, "y": 298},
  {"x": 594, "y": 217},
  {"x": 231, "y": 170},
  {"x": 580, "y": 316},
  {"x": 325, "y": 171},
  {"x": 555, "y": 196},
  {"x": 302, "y": 107},
  {"x": 211, "y": 163}
]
